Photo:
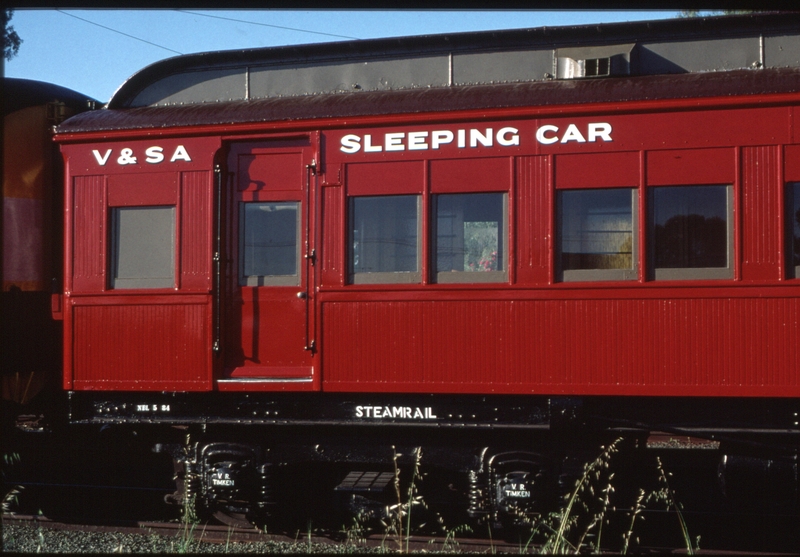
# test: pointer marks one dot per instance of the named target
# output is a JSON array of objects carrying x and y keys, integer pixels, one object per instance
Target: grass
[
  {"x": 580, "y": 526},
  {"x": 590, "y": 519},
  {"x": 10, "y": 498}
]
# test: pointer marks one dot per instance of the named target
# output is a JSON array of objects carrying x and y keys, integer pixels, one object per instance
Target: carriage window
[
  {"x": 142, "y": 247},
  {"x": 597, "y": 239},
  {"x": 471, "y": 237},
  {"x": 691, "y": 232},
  {"x": 269, "y": 243},
  {"x": 597, "y": 234},
  {"x": 793, "y": 220},
  {"x": 384, "y": 239}
]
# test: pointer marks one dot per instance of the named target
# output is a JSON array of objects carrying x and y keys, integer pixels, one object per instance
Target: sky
[{"x": 93, "y": 51}]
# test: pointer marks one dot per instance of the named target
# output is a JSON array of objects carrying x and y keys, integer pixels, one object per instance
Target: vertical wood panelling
[
  {"x": 195, "y": 236},
  {"x": 136, "y": 345},
  {"x": 534, "y": 192},
  {"x": 761, "y": 231},
  {"x": 88, "y": 242},
  {"x": 332, "y": 241},
  {"x": 590, "y": 346}
]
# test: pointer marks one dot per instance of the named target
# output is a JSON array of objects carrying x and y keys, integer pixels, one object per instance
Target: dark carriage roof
[
  {"x": 23, "y": 93},
  {"x": 445, "y": 99},
  {"x": 676, "y": 58}
]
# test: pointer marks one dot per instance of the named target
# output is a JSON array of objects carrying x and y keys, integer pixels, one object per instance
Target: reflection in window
[
  {"x": 269, "y": 244},
  {"x": 384, "y": 241},
  {"x": 597, "y": 240},
  {"x": 471, "y": 237},
  {"x": 143, "y": 247},
  {"x": 691, "y": 231},
  {"x": 794, "y": 226}
]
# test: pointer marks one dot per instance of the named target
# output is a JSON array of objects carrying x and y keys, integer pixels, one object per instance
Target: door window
[{"x": 269, "y": 243}]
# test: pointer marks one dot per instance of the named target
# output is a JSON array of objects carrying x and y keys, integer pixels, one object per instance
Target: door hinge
[
  {"x": 312, "y": 166},
  {"x": 312, "y": 256}
]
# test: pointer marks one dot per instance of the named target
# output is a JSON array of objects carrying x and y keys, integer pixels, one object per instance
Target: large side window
[
  {"x": 597, "y": 234},
  {"x": 142, "y": 247},
  {"x": 269, "y": 243},
  {"x": 793, "y": 221},
  {"x": 384, "y": 239},
  {"x": 691, "y": 234},
  {"x": 471, "y": 237}
]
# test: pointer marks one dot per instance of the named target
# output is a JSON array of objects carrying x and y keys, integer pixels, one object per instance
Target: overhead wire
[
  {"x": 270, "y": 25},
  {"x": 204, "y": 15},
  {"x": 119, "y": 32}
]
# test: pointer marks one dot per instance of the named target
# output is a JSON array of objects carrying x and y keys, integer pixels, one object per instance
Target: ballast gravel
[{"x": 40, "y": 539}]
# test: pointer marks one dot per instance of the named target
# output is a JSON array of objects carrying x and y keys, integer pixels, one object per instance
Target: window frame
[
  {"x": 598, "y": 275},
  {"x": 467, "y": 277},
  {"x": 383, "y": 277},
  {"x": 691, "y": 273},
  {"x": 792, "y": 201},
  {"x": 115, "y": 248},
  {"x": 270, "y": 280}
]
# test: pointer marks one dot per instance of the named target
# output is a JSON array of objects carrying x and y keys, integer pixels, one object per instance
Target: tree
[
  {"x": 11, "y": 40},
  {"x": 699, "y": 13}
]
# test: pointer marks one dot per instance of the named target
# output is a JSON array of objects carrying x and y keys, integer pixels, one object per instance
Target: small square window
[
  {"x": 471, "y": 239},
  {"x": 384, "y": 239},
  {"x": 269, "y": 244},
  {"x": 691, "y": 232},
  {"x": 597, "y": 239},
  {"x": 142, "y": 247}
]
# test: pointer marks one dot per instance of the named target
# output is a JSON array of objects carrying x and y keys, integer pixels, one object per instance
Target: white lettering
[
  {"x": 101, "y": 159},
  {"x": 394, "y": 141},
  {"x": 421, "y": 140},
  {"x": 572, "y": 134},
  {"x": 368, "y": 147},
  {"x": 350, "y": 144},
  {"x": 504, "y": 140},
  {"x": 126, "y": 157},
  {"x": 542, "y": 138},
  {"x": 440, "y": 137},
  {"x": 180, "y": 154},
  {"x": 475, "y": 137},
  {"x": 154, "y": 154},
  {"x": 520, "y": 493},
  {"x": 416, "y": 141},
  {"x": 404, "y": 412},
  {"x": 601, "y": 130}
]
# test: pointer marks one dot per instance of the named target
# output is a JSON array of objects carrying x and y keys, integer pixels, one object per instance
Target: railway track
[
  {"x": 48, "y": 534},
  {"x": 183, "y": 536}
]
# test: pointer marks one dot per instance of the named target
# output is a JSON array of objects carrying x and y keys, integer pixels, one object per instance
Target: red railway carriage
[{"x": 499, "y": 230}]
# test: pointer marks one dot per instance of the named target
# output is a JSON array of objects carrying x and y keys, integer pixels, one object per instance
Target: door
[{"x": 269, "y": 325}]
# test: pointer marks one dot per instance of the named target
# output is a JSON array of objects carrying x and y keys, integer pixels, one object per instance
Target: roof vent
[{"x": 601, "y": 61}]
